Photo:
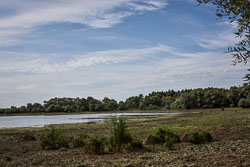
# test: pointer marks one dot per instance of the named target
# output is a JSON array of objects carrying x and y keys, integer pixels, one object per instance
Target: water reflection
[{"x": 43, "y": 120}]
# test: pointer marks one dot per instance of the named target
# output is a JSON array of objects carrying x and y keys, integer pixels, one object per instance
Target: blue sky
[{"x": 113, "y": 48}]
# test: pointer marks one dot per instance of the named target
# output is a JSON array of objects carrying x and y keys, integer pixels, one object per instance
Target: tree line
[{"x": 236, "y": 96}]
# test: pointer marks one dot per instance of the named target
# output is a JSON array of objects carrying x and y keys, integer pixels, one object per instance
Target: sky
[{"x": 111, "y": 48}]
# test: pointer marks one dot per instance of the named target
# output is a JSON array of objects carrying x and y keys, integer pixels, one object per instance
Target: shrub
[
  {"x": 95, "y": 144},
  {"x": 197, "y": 137},
  {"x": 29, "y": 137},
  {"x": 153, "y": 139},
  {"x": 52, "y": 139},
  {"x": 80, "y": 140},
  {"x": 161, "y": 133},
  {"x": 119, "y": 134},
  {"x": 159, "y": 137}
]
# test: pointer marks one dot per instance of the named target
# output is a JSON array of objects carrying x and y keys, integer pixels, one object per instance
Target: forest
[{"x": 236, "y": 96}]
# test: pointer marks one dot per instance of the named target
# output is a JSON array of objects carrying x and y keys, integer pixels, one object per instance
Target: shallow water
[{"x": 43, "y": 120}]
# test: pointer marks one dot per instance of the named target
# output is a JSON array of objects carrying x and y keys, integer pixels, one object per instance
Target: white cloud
[
  {"x": 75, "y": 83},
  {"x": 158, "y": 4},
  {"x": 36, "y": 63},
  {"x": 25, "y": 87},
  {"x": 222, "y": 40},
  {"x": 219, "y": 39},
  {"x": 8, "y": 36},
  {"x": 25, "y": 15},
  {"x": 148, "y": 5},
  {"x": 107, "y": 20},
  {"x": 164, "y": 68}
]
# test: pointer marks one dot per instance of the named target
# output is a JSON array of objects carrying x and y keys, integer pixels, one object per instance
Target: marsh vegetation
[{"x": 196, "y": 137}]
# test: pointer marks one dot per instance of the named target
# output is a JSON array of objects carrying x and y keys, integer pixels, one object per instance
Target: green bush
[
  {"x": 119, "y": 134},
  {"x": 95, "y": 144},
  {"x": 80, "y": 140},
  {"x": 197, "y": 137},
  {"x": 161, "y": 132},
  {"x": 52, "y": 139},
  {"x": 160, "y": 135},
  {"x": 153, "y": 139}
]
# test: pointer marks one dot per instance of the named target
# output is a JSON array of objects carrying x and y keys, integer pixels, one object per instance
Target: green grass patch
[{"x": 211, "y": 121}]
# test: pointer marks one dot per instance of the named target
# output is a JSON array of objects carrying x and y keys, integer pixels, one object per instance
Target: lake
[{"x": 43, "y": 120}]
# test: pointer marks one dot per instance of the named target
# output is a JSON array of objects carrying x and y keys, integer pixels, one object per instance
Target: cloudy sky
[{"x": 113, "y": 48}]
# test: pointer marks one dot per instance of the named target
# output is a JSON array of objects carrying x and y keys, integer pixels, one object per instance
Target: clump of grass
[
  {"x": 52, "y": 139},
  {"x": 197, "y": 137},
  {"x": 80, "y": 140},
  {"x": 95, "y": 144},
  {"x": 29, "y": 137}
]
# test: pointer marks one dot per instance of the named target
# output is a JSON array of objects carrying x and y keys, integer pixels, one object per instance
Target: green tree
[
  {"x": 119, "y": 133},
  {"x": 122, "y": 106},
  {"x": 134, "y": 101},
  {"x": 142, "y": 106},
  {"x": 233, "y": 96},
  {"x": 167, "y": 101},
  {"x": 13, "y": 109},
  {"x": 215, "y": 98},
  {"x": 185, "y": 101},
  {"x": 99, "y": 107},
  {"x": 106, "y": 102},
  {"x": 112, "y": 105},
  {"x": 244, "y": 103}
]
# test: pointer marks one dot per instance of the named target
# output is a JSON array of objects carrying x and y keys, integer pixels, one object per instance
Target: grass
[
  {"x": 210, "y": 121},
  {"x": 200, "y": 119}
]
